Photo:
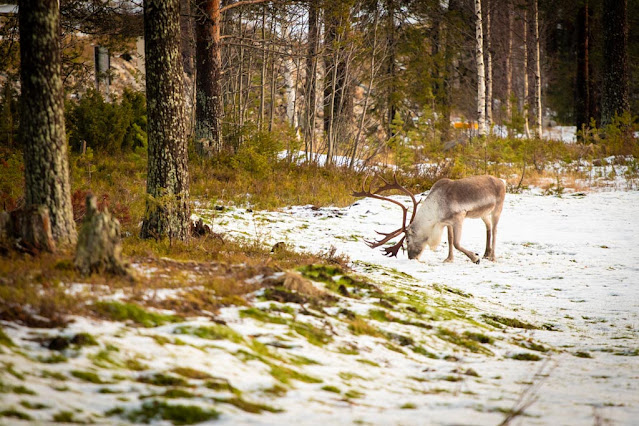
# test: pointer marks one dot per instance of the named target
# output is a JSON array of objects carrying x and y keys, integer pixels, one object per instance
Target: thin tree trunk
[
  {"x": 525, "y": 70},
  {"x": 263, "y": 71},
  {"x": 391, "y": 77},
  {"x": 489, "y": 69},
  {"x": 209, "y": 111},
  {"x": 167, "y": 210},
  {"x": 368, "y": 93},
  {"x": 615, "y": 93},
  {"x": 289, "y": 82},
  {"x": 481, "y": 82},
  {"x": 509, "y": 67},
  {"x": 311, "y": 77},
  {"x": 42, "y": 132},
  {"x": 582, "y": 94},
  {"x": 538, "y": 110}
]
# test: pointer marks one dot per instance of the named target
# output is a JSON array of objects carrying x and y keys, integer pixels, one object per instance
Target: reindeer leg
[
  {"x": 492, "y": 256},
  {"x": 489, "y": 247},
  {"x": 457, "y": 231},
  {"x": 450, "y": 244}
]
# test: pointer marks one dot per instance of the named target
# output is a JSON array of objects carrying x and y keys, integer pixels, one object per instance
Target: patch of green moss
[
  {"x": 368, "y": 362},
  {"x": 53, "y": 359},
  {"x": 531, "y": 345},
  {"x": 359, "y": 326},
  {"x": 249, "y": 407},
  {"x": 16, "y": 414},
  {"x": 353, "y": 394},
  {"x": 212, "y": 332},
  {"x": 408, "y": 406},
  {"x": 117, "y": 311},
  {"x": 46, "y": 374},
  {"x": 84, "y": 339},
  {"x": 33, "y": 406},
  {"x": 526, "y": 356},
  {"x": 22, "y": 390},
  {"x": 478, "y": 337},
  {"x": 260, "y": 315},
  {"x": 158, "y": 410},
  {"x": 5, "y": 340},
  {"x": 64, "y": 417},
  {"x": 87, "y": 376},
  {"x": 161, "y": 379},
  {"x": 445, "y": 288},
  {"x": 331, "y": 388},
  {"x": 313, "y": 335},
  {"x": 285, "y": 375},
  {"x": 348, "y": 376},
  {"x": 580, "y": 354},
  {"x": 222, "y": 385},
  {"x": 498, "y": 321},
  {"x": 422, "y": 351},
  {"x": 177, "y": 393},
  {"x": 275, "y": 390},
  {"x": 192, "y": 373},
  {"x": 461, "y": 340},
  {"x": 348, "y": 350}
]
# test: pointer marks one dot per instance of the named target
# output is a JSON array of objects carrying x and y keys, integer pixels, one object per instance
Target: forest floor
[{"x": 548, "y": 334}]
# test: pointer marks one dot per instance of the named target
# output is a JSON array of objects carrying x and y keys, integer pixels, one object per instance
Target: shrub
[{"x": 107, "y": 126}]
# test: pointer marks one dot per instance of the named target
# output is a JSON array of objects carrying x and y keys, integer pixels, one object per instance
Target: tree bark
[
  {"x": 42, "y": 132},
  {"x": 208, "y": 110},
  {"x": 615, "y": 93},
  {"x": 167, "y": 210},
  {"x": 489, "y": 69},
  {"x": 582, "y": 94},
  {"x": 481, "y": 82},
  {"x": 509, "y": 66},
  {"x": 311, "y": 77},
  {"x": 538, "y": 110},
  {"x": 525, "y": 109}
]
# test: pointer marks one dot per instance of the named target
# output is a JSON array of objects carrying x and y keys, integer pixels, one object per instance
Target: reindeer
[{"x": 448, "y": 203}]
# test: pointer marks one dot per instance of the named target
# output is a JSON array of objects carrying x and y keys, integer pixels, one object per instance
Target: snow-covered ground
[
  {"x": 570, "y": 262},
  {"x": 567, "y": 265}
]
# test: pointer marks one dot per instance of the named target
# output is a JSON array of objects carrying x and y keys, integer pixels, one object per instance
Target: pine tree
[{"x": 167, "y": 209}]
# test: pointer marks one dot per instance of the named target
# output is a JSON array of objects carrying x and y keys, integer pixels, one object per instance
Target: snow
[{"x": 568, "y": 263}]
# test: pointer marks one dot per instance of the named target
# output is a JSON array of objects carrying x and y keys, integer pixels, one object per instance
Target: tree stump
[
  {"x": 27, "y": 229},
  {"x": 99, "y": 248}
]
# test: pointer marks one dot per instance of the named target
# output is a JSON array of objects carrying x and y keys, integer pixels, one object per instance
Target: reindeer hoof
[
  {"x": 448, "y": 260},
  {"x": 478, "y": 259}
]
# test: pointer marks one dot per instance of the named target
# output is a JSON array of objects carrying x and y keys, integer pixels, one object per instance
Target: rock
[
  {"x": 58, "y": 343},
  {"x": 278, "y": 247},
  {"x": 99, "y": 248}
]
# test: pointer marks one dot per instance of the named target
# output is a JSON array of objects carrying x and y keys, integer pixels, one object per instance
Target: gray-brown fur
[{"x": 447, "y": 205}]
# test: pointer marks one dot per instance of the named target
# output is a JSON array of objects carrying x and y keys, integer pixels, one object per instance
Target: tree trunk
[
  {"x": 509, "y": 66},
  {"x": 391, "y": 67},
  {"x": 311, "y": 77},
  {"x": 186, "y": 29},
  {"x": 289, "y": 69},
  {"x": 538, "y": 110},
  {"x": 167, "y": 210},
  {"x": 42, "y": 132},
  {"x": 582, "y": 94},
  {"x": 615, "y": 94},
  {"x": 481, "y": 82},
  {"x": 489, "y": 69},
  {"x": 525, "y": 109},
  {"x": 208, "y": 110}
]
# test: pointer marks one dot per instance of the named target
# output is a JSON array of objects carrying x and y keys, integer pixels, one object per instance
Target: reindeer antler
[{"x": 393, "y": 250}]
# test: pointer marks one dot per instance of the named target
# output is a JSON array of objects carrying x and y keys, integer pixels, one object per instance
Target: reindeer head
[{"x": 404, "y": 229}]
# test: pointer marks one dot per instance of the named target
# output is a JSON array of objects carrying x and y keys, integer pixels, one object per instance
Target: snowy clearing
[{"x": 432, "y": 348}]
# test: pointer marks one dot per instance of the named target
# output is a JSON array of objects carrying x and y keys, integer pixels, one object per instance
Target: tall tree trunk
[
  {"x": 391, "y": 67},
  {"x": 167, "y": 210},
  {"x": 289, "y": 69},
  {"x": 489, "y": 68},
  {"x": 263, "y": 72},
  {"x": 42, "y": 132},
  {"x": 525, "y": 109},
  {"x": 208, "y": 110},
  {"x": 311, "y": 77},
  {"x": 582, "y": 94},
  {"x": 538, "y": 110},
  {"x": 509, "y": 67},
  {"x": 186, "y": 29},
  {"x": 615, "y": 94},
  {"x": 481, "y": 82}
]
